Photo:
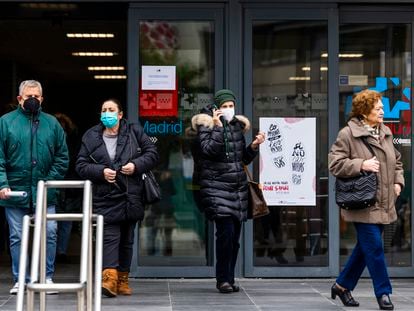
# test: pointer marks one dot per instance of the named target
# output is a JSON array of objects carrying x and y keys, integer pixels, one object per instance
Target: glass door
[
  {"x": 178, "y": 65},
  {"x": 289, "y": 69},
  {"x": 375, "y": 53}
]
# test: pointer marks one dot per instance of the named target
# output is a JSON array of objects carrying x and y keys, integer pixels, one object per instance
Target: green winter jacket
[{"x": 27, "y": 155}]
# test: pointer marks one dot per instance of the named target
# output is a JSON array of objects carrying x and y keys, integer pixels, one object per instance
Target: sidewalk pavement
[{"x": 255, "y": 294}]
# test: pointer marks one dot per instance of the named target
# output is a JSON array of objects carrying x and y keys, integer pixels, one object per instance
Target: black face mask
[{"x": 31, "y": 104}]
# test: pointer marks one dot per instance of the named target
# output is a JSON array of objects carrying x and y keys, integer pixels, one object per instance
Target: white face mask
[{"x": 228, "y": 113}]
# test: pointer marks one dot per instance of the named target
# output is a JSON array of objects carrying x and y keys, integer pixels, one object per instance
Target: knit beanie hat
[{"x": 223, "y": 96}]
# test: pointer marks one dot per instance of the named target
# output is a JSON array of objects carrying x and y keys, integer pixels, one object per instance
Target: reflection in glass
[
  {"x": 290, "y": 80},
  {"x": 381, "y": 60},
  {"x": 174, "y": 232}
]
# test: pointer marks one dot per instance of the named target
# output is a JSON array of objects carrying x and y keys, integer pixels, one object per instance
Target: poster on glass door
[{"x": 288, "y": 161}]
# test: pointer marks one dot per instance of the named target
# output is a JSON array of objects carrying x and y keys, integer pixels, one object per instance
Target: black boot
[
  {"x": 344, "y": 295},
  {"x": 384, "y": 302},
  {"x": 224, "y": 287}
]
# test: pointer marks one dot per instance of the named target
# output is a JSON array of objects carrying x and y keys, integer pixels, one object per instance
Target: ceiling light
[
  {"x": 346, "y": 55},
  {"x": 90, "y": 35},
  {"x": 110, "y": 76},
  {"x": 309, "y": 68},
  {"x": 355, "y": 55},
  {"x": 95, "y": 68},
  {"x": 94, "y": 54},
  {"x": 299, "y": 78},
  {"x": 49, "y": 6}
]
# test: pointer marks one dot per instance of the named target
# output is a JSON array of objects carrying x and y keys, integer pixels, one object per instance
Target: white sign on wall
[
  {"x": 288, "y": 161},
  {"x": 158, "y": 78}
]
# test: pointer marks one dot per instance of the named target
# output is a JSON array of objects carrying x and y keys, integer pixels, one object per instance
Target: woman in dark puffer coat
[
  {"x": 113, "y": 155},
  {"x": 220, "y": 156}
]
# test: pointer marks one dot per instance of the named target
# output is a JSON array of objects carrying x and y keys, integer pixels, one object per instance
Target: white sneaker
[
  {"x": 51, "y": 292},
  {"x": 15, "y": 289}
]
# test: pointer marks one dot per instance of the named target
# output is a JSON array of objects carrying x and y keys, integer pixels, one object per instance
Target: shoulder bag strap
[
  {"x": 365, "y": 141},
  {"x": 133, "y": 137},
  {"x": 249, "y": 175},
  {"x": 132, "y": 133}
]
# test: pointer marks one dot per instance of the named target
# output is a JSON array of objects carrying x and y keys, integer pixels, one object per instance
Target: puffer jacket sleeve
[
  {"x": 87, "y": 166},
  {"x": 211, "y": 140},
  {"x": 249, "y": 154},
  {"x": 339, "y": 162},
  {"x": 148, "y": 157}
]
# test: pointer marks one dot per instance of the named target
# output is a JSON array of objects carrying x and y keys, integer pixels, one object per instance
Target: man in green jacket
[{"x": 32, "y": 148}]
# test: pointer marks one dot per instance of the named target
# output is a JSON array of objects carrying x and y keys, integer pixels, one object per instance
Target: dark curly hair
[
  {"x": 363, "y": 102},
  {"x": 116, "y": 102}
]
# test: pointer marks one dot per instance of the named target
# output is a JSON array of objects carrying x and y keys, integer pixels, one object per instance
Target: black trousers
[
  {"x": 118, "y": 241},
  {"x": 227, "y": 248}
]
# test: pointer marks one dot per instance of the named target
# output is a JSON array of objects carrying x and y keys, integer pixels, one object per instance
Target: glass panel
[
  {"x": 290, "y": 80},
  {"x": 378, "y": 56},
  {"x": 174, "y": 232}
]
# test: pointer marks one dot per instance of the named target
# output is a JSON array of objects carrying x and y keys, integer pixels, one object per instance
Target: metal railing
[{"x": 37, "y": 283}]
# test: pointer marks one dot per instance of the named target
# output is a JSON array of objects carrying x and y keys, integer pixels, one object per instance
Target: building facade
[{"x": 284, "y": 60}]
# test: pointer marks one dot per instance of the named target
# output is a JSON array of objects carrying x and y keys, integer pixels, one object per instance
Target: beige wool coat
[{"x": 345, "y": 160}]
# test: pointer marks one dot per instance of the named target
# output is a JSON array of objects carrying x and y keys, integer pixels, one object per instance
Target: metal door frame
[
  {"x": 172, "y": 12},
  {"x": 330, "y": 15},
  {"x": 333, "y": 16},
  {"x": 353, "y": 14}
]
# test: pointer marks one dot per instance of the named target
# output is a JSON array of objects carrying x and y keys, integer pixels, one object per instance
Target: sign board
[
  {"x": 158, "y": 78},
  {"x": 288, "y": 161},
  {"x": 354, "y": 80},
  {"x": 158, "y": 95}
]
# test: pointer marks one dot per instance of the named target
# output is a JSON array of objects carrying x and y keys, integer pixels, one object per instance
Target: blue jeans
[
  {"x": 64, "y": 231},
  {"x": 368, "y": 252},
  {"x": 14, "y": 218}
]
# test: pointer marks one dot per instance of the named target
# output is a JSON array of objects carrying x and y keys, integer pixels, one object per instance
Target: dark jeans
[
  {"x": 117, "y": 246},
  {"x": 368, "y": 252},
  {"x": 227, "y": 247}
]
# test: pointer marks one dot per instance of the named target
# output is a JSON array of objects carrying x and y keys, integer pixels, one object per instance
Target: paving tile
[
  {"x": 226, "y": 307},
  {"x": 201, "y": 295}
]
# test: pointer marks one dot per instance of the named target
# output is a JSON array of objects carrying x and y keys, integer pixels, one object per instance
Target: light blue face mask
[{"x": 109, "y": 119}]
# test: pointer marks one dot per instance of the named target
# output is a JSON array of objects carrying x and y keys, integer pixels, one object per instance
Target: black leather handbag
[
  {"x": 357, "y": 192},
  {"x": 152, "y": 190}
]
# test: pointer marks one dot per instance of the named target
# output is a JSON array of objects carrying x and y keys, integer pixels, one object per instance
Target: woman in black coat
[
  {"x": 220, "y": 156},
  {"x": 113, "y": 155}
]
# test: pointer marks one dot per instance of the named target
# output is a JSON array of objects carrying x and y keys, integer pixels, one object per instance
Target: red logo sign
[{"x": 158, "y": 103}]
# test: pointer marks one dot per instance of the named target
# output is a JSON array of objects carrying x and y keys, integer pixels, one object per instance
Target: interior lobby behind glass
[
  {"x": 44, "y": 41},
  {"x": 174, "y": 231},
  {"x": 377, "y": 56},
  {"x": 290, "y": 81}
]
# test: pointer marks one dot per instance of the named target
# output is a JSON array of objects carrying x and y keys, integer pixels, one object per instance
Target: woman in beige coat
[{"x": 349, "y": 156}]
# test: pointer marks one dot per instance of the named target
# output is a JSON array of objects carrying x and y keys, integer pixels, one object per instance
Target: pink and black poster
[{"x": 288, "y": 161}]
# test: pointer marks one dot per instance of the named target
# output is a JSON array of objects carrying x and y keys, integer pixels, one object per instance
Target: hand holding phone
[{"x": 218, "y": 117}]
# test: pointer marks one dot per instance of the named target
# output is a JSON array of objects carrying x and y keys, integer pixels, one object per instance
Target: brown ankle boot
[
  {"x": 123, "y": 287},
  {"x": 109, "y": 282}
]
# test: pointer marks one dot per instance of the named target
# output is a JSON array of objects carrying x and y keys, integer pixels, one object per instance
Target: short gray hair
[{"x": 30, "y": 83}]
